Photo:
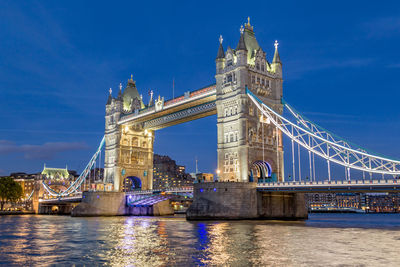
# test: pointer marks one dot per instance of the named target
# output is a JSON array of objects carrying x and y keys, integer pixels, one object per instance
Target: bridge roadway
[
  {"x": 192, "y": 105},
  {"x": 352, "y": 186},
  {"x": 70, "y": 199},
  {"x": 78, "y": 198}
]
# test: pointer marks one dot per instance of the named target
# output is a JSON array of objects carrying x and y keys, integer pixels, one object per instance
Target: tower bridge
[{"x": 247, "y": 98}]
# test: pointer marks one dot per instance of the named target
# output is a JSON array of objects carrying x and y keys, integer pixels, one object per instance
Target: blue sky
[{"x": 341, "y": 65}]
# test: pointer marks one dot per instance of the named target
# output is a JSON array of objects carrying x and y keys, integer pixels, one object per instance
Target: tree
[{"x": 10, "y": 190}]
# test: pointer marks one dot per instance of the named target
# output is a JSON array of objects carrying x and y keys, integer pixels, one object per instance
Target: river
[{"x": 323, "y": 240}]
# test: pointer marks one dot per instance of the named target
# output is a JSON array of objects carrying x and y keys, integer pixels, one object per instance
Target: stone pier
[
  {"x": 114, "y": 204},
  {"x": 235, "y": 201}
]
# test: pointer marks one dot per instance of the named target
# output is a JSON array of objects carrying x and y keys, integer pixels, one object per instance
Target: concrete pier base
[
  {"x": 101, "y": 204},
  {"x": 114, "y": 204},
  {"x": 158, "y": 209},
  {"x": 235, "y": 201}
]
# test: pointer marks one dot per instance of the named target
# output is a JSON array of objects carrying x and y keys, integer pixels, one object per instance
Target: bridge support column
[{"x": 233, "y": 201}]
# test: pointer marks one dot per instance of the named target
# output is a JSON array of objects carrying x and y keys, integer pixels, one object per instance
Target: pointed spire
[
  {"x": 247, "y": 25},
  {"x": 151, "y": 98},
  {"x": 241, "y": 45},
  {"x": 221, "y": 53},
  {"x": 276, "y": 59},
  {"x": 120, "y": 92},
  {"x": 109, "y": 97}
]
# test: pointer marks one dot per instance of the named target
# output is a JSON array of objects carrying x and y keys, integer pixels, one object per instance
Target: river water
[{"x": 323, "y": 240}]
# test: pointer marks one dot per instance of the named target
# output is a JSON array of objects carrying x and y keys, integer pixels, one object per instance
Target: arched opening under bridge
[
  {"x": 132, "y": 183},
  {"x": 261, "y": 171}
]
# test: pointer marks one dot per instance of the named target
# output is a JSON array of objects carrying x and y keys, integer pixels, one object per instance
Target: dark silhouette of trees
[{"x": 10, "y": 191}]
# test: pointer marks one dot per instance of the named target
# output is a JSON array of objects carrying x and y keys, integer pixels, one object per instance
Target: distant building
[
  {"x": 348, "y": 200},
  {"x": 27, "y": 182},
  {"x": 56, "y": 174},
  {"x": 370, "y": 202},
  {"x": 382, "y": 202},
  {"x": 321, "y": 201},
  {"x": 204, "y": 177},
  {"x": 167, "y": 174}
]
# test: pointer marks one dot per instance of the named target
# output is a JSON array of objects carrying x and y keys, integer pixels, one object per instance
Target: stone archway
[
  {"x": 132, "y": 183},
  {"x": 260, "y": 171}
]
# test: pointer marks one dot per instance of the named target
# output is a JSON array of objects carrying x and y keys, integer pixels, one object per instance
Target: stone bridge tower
[
  {"x": 128, "y": 161},
  {"x": 249, "y": 146}
]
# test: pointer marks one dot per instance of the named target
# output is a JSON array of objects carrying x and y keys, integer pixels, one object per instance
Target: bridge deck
[
  {"x": 391, "y": 185},
  {"x": 191, "y": 106}
]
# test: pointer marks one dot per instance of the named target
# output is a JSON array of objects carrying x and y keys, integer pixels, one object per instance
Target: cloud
[{"x": 45, "y": 151}]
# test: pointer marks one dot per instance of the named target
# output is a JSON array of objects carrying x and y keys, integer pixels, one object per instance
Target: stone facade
[
  {"x": 249, "y": 146},
  {"x": 129, "y": 148},
  {"x": 167, "y": 174},
  {"x": 233, "y": 201},
  {"x": 244, "y": 136}
]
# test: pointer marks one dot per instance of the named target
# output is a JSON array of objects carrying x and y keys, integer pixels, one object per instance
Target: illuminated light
[
  {"x": 98, "y": 196},
  {"x": 218, "y": 171},
  {"x": 215, "y": 189},
  {"x": 201, "y": 190},
  {"x": 126, "y": 128}
]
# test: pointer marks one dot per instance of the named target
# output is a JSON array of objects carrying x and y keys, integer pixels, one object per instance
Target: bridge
[
  {"x": 354, "y": 186},
  {"x": 253, "y": 120}
]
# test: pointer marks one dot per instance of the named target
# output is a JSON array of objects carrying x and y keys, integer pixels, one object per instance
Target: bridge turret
[
  {"x": 241, "y": 51},
  {"x": 220, "y": 60},
  {"x": 113, "y": 113},
  {"x": 276, "y": 62}
]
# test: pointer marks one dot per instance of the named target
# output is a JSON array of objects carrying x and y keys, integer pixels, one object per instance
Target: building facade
[
  {"x": 167, "y": 174},
  {"x": 249, "y": 146},
  {"x": 128, "y": 149},
  {"x": 202, "y": 177}
]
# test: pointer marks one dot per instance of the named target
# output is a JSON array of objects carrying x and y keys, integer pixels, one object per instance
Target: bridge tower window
[
  {"x": 229, "y": 78},
  {"x": 231, "y": 136}
]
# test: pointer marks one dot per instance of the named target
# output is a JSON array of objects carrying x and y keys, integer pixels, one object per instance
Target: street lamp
[{"x": 218, "y": 172}]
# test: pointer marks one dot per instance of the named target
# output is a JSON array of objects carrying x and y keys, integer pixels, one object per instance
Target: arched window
[
  {"x": 231, "y": 137},
  {"x": 125, "y": 141},
  {"x": 226, "y": 112},
  {"x": 230, "y": 111}
]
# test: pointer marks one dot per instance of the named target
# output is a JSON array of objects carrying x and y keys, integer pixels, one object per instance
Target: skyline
[{"x": 56, "y": 73}]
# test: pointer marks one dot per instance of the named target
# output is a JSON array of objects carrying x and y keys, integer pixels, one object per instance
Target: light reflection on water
[{"x": 324, "y": 240}]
